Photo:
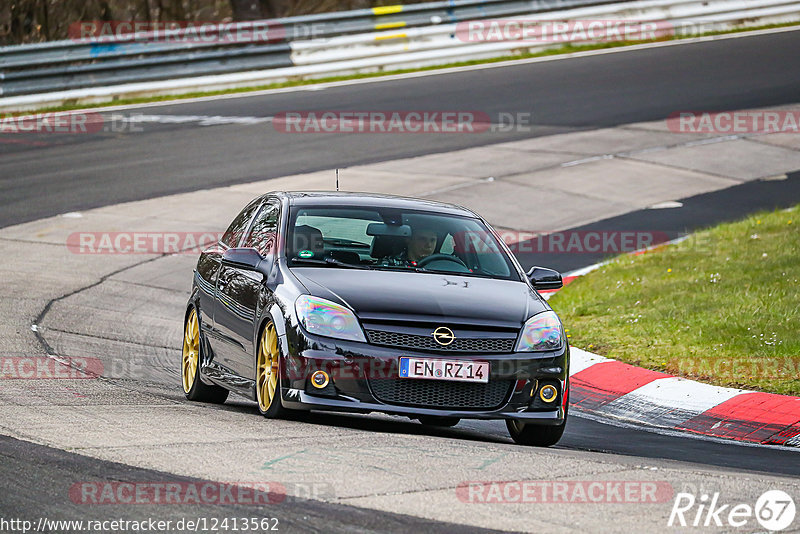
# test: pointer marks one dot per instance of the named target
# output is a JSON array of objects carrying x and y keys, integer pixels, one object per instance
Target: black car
[{"x": 360, "y": 303}]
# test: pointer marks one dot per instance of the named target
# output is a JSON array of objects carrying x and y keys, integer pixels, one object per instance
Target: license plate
[{"x": 458, "y": 370}]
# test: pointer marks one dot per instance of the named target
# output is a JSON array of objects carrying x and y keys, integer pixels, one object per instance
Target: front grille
[
  {"x": 459, "y": 344},
  {"x": 441, "y": 393}
]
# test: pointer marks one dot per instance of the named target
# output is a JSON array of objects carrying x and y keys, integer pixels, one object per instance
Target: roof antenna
[{"x": 337, "y": 179}]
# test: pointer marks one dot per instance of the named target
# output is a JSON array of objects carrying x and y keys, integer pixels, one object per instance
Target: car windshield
[{"x": 393, "y": 239}]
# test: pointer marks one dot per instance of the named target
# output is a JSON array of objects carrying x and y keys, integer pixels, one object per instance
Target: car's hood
[{"x": 420, "y": 296}]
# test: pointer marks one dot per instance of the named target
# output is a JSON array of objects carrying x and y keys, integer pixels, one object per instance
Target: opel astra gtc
[{"x": 371, "y": 303}]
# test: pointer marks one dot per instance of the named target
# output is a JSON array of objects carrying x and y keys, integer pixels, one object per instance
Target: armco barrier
[
  {"x": 94, "y": 62},
  {"x": 346, "y": 42}
]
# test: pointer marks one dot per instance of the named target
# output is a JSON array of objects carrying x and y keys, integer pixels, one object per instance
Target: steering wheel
[{"x": 441, "y": 257}]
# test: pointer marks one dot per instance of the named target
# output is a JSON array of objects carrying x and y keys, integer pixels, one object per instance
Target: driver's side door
[{"x": 239, "y": 294}]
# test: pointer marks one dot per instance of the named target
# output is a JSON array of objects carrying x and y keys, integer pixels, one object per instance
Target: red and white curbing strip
[{"x": 609, "y": 388}]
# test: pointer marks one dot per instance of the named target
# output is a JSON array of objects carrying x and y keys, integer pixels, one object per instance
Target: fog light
[
  {"x": 548, "y": 393},
  {"x": 320, "y": 379}
]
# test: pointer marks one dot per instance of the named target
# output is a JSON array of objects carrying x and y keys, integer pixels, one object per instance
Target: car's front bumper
[{"x": 354, "y": 367}]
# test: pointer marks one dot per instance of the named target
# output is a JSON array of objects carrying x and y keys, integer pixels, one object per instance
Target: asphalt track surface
[
  {"x": 47, "y": 174},
  {"x": 25, "y": 465},
  {"x": 41, "y": 176}
]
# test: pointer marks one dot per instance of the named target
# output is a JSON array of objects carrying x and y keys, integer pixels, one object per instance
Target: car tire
[
  {"x": 193, "y": 387},
  {"x": 435, "y": 420},
  {"x": 537, "y": 435},
  {"x": 268, "y": 380}
]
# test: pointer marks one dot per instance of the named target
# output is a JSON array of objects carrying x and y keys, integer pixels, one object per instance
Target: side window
[
  {"x": 265, "y": 228},
  {"x": 234, "y": 233},
  {"x": 486, "y": 254}
]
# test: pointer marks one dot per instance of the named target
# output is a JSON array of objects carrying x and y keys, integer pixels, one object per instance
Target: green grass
[
  {"x": 721, "y": 307},
  {"x": 556, "y": 50}
]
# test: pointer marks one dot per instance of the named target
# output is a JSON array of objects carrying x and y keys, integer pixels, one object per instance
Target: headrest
[{"x": 385, "y": 245}]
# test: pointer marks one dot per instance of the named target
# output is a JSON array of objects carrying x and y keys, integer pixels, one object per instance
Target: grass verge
[
  {"x": 560, "y": 50},
  {"x": 721, "y": 307}
]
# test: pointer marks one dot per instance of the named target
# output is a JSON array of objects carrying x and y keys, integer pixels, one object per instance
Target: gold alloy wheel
[
  {"x": 191, "y": 351},
  {"x": 267, "y": 372}
]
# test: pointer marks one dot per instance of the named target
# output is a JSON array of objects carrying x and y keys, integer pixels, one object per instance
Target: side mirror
[
  {"x": 543, "y": 278},
  {"x": 242, "y": 258}
]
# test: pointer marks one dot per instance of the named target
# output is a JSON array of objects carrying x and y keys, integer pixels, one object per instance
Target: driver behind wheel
[{"x": 420, "y": 245}]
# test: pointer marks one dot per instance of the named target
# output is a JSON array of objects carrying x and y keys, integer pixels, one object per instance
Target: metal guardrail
[
  {"x": 326, "y": 44},
  {"x": 422, "y": 46},
  {"x": 74, "y": 64}
]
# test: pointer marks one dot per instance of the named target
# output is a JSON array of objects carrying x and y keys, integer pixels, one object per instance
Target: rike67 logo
[{"x": 774, "y": 510}]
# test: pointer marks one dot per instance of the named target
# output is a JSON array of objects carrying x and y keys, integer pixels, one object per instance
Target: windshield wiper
[
  {"x": 411, "y": 268},
  {"x": 328, "y": 261},
  {"x": 471, "y": 273}
]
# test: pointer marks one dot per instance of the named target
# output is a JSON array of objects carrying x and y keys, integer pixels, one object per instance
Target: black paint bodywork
[{"x": 236, "y": 292}]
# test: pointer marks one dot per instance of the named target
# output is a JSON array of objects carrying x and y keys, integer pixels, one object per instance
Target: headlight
[
  {"x": 326, "y": 318},
  {"x": 541, "y": 332}
]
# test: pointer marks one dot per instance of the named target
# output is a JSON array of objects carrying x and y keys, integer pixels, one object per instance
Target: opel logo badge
[{"x": 443, "y": 336}]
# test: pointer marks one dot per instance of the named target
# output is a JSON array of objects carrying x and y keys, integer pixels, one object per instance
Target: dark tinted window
[
  {"x": 236, "y": 230},
  {"x": 262, "y": 235}
]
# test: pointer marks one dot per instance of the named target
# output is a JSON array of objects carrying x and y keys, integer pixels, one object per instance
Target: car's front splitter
[{"x": 298, "y": 399}]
